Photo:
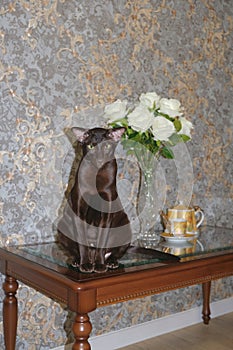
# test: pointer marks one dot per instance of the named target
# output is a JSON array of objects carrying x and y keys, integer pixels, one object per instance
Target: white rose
[
  {"x": 141, "y": 118},
  {"x": 116, "y": 110},
  {"x": 149, "y": 99},
  {"x": 170, "y": 107},
  {"x": 186, "y": 127},
  {"x": 162, "y": 128}
]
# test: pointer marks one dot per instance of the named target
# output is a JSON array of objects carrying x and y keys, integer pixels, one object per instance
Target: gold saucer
[{"x": 175, "y": 239}]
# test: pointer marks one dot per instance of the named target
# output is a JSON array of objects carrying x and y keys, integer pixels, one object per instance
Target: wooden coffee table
[{"x": 46, "y": 268}]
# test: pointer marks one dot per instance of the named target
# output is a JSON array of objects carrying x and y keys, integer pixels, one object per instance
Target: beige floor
[{"x": 218, "y": 335}]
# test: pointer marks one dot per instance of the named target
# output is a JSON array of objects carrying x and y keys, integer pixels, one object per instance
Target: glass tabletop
[{"x": 209, "y": 241}]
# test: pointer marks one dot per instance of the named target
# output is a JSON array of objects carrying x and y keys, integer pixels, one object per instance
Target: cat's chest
[{"x": 92, "y": 179}]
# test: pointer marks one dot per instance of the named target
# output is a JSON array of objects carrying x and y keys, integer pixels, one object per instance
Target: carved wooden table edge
[{"x": 84, "y": 297}]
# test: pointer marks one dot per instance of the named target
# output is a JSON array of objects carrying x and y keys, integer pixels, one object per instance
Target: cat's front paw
[
  {"x": 112, "y": 263},
  {"x": 100, "y": 268},
  {"x": 86, "y": 268},
  {"x": 75, "y": 263}
]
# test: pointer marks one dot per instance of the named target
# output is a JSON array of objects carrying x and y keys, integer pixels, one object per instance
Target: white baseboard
[{"x": 140, "y": 332}]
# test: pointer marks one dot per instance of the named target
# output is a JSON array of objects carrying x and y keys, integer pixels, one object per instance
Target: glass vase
[{"x": 148, "y": 209}]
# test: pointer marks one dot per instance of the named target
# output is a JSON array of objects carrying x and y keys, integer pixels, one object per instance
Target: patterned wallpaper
[{"x": 60, "y": 62}]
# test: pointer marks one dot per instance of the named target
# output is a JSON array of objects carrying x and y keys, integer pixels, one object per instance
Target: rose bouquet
[
  {"x": 152, "y": 127},
  {"x": 155, "y": 123}
]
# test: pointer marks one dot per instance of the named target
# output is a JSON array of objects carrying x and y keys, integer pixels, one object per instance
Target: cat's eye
[
  {"x": 107, "y": 145},
  {"x": 90, "y": 146}
]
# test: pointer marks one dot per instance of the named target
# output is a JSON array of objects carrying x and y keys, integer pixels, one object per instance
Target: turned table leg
[
  {"x": 206, "y": 302},
  {"x": 81, "y": 328},
  {"x": 10, "y": 309}
]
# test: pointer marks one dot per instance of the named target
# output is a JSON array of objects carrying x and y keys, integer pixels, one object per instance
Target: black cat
[{"x": 94, "y": 226}]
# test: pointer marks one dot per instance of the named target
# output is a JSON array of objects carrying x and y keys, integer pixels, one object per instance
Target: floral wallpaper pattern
[{"x": 61, "y": 59}]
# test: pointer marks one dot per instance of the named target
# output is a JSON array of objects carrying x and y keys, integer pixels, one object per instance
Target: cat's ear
[
  {"x": 115, "y": 134},
  {"x": 80, "y": 133}
]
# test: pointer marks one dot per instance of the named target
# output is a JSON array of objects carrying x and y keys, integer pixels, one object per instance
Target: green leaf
[
  {"x": 174, "y": 139},
  {"x": 177, "y": 124},
  {"x": 185, "y": 138},
  {"x": 157, "y": 113},
  {"x": 132, "y": 134},
  {"x": 166, "y": 152},
  {"x": 119, "y": 122}
]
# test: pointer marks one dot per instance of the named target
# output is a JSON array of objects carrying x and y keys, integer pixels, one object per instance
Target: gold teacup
[
  {"x": 194, "y": 217},
  {"x": 178, "y": 226}
]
